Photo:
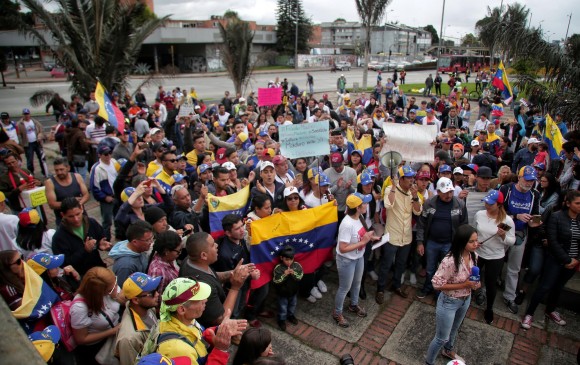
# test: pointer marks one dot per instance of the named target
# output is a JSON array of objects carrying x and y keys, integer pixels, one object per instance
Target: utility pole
[
  {"x": 567, "y": 29},
  {"x": 441, "y": 29},
  {"x": 296, "y": 38}
]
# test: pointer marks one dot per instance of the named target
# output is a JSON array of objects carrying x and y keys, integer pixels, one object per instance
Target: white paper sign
[
  {"x": 412, "y": 141},
  {"x": 304, "y": 140}
]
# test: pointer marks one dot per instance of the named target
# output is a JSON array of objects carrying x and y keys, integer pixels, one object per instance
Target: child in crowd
[
  {"x": 542, "y": 155},
  {"x": 287, "y": 275}
]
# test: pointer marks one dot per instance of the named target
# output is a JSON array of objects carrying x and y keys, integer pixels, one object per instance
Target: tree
[
  {"x": 95, "y": 39},
  {"x": 10, "y": 16},
  {"x": 573, "y": 48},
  {"x": 433, "y": 31},
  {"x": 470, "y": 40},
  {"x": 237, "y": 45},
  {"x": 287, "y": 14},
  {"x": 370, "y": 12}
]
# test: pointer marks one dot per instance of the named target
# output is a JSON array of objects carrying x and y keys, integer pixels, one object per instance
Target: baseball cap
[
  {"x": 154, "y": 131},
  {"x": 4, "y": 115},
  {"x": 406, "y": 171},
  {"x": 414, "y": 111},
  {"x": 540, "y": 166},
  {"x": 220, "y": 155},
  {"x": 321, "y": 180},
  {"x": 203, "y": 168},
  {"x": 197, "y": 107},
  {"x": 229, "y": 166},
  {"x": 458, "y": 170},
  {"x": 242, "y": 100},
  {"x": 43, "y": 261},
  {"x": 269, "y": 152},
  {"x": 471, "y": 167},
  {"x": 290, "y": 190},
  {"x": 423, "y": 175},
  {"x": 138, "y": 283},
  {"x": 484, "y": 171},
  {"x": 126, "y": 193},
  {"x": 429, "y": 110},
  {"x": 158, "y": 359},
  {"x": 178, "y": 177},
  {"x": 29, "y": 216},
  {"x": 357, "y": 151},
  {"x": 312, "y": 172},
  {"x": 263, "y": 133},
  {"x": 445, "y": 185},
  {"x": 243, "y": 137},
  {"x": 25, "y": 111},
  {"x": 356, "y": 199},
  {"x": 533, "y": 140},
  {"x": 494, "y": 196},
  {"x": 265, "y": 164},
  {"x": 365, "y": 179},
  {"x": 474, "y": 143},
  {"x": 444, "y": 168},
  {"x": 458, "y": 146},
  {"x": 279, "y": 160},
  {"x": 103, "y": 150},
  {"x": 528, "y": 173},
  {"x": 336, "y": 159},
  {"x": 45, "y": 341}
]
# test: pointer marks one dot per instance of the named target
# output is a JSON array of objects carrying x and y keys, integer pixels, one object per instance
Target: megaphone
[{"x": 391, "y": 159}]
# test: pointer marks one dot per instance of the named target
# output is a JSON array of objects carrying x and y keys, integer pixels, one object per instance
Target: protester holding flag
[{"x": 501, "y": 82}]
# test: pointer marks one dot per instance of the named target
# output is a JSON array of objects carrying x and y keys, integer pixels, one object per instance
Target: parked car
[
  {"x": 343, "y": 65},
  {"x": 373, "y": 65}
]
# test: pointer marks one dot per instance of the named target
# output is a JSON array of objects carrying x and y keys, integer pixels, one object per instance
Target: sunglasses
[
  {"x": 174, "y": 160},
  {"x": 292, "y": 198},
  {"x": 114, "y": 286}
]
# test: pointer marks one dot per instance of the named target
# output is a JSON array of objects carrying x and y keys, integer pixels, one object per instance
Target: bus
[{"x": 460, "y": 63}]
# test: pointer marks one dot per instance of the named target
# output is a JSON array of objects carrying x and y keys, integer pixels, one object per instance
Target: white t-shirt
[
  {"x": 351, "y": 231},
  {"x": 487, "y": 227},
  {"x": 95, "y": 322},
  {"x": 30, "y": 131},
  {"x": 311, "y": 201},
  {"x": 111, "y": 171},
  {"x": 10, "y": 130}
]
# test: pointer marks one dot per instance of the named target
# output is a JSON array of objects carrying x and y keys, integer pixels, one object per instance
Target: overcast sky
[{"x": 460, "y": 15}]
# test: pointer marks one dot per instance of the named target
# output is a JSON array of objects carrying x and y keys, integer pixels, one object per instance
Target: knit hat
[
  {"x": 154, "y": 214},
  {"x": 179, "y": 291},
  {"x": 29, "y": 216}
]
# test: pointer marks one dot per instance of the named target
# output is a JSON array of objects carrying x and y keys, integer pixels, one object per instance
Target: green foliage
[
  {"x": 434, "y": 36},
  {"x": 340, "y": 20},
  {"x": 237, "y": 44},
  {"x": 573, "y": 48},
  {"x": 288, "y": 13},
  {"x": 10, "y": 16},
  {"x": 96, "y": 39},
  {"x": 470, "y": 40},
  {"x": 526, "y": 66}
]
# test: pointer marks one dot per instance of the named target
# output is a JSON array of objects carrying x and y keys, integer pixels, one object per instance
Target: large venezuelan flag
[
  {"x": 310, "y": 231},
  {"x": 37, "y": 298},
  {"x": 553, "y": 137},
  {"x": 219, "y": 207},
  {"x": 500, "y": 81},
  {"x": 107, "y": 110},
  {"x": 365, "y": 144}
]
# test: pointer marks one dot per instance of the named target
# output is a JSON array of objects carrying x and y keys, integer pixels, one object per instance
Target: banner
[
  {"x": 111, "y": 113},
  {"x": 219, "y": 207},
  {"x": 412, "y": 141},
  {"x": 310, "y": 231},
  {"x": 304, "y": 140},
  {"x": 269, "y": 96}
]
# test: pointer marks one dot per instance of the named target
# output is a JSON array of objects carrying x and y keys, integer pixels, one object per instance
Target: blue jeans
[
  {"x": 434, "y": 252},
  {"x": 535, "y": 264},
  {"x": 349, "y": 278},
  {"x": 286, "y": 307},
  {"x": 450, "y": 313},
  {"x": 32, "y": 149},
  {"x": 390, "y": 255},
  {"x": 107, "y": 217}
]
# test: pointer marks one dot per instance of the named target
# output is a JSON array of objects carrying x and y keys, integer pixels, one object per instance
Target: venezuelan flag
[
  {"x": 501, "y": 82},
  {"x": 365, "y": 144},
  {"x": 310, "y": 231},
  {"x": 37, "y": 298},
  {"x": 553, "y": 137},
  {"x": 219, "y": 207},
  {"x": 110, "y": 112}
]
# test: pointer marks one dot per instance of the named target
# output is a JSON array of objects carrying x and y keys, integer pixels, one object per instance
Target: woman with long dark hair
[
  {"x": 452, "y": 279},
  {"x": 549, "y": 189},
  {"x": 255, "y": 343},
  {"x": 33, "y": 237},
  {"x": 162, "y": 261}
]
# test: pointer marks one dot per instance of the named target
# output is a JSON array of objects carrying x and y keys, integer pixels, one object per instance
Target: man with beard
[
  {"x": 525, "y": 156},
  {"x": 64, "y": 184}
]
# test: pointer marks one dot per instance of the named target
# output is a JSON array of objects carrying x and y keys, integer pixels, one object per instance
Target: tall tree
[
  {"x": 10, "y": 16},
  {"x": 470, "y": 40},
  {"x": 288, "y": 13},
  {"x": 434, "y": 36},
  {"x": 236, "y": 48},
  {"x": 95, "y": 39},
  {"x": 370, "y": 12}
]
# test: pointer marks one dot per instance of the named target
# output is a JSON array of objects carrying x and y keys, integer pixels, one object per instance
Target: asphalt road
[{"x": 208, "y": 87}]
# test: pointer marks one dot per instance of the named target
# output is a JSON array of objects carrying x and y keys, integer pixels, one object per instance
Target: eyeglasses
[
  {"x": 17, "y": 262},
  {"x": 114, "y": 286},
  {"x": 174, "y": 160},
  {"x": 292, "y": 198}
]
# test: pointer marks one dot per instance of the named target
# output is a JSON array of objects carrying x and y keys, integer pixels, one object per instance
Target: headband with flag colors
[
  {"x": 107, "y": 110},
  {"x": 553, "y": 137},
  {"x": 500, "y": 81}
]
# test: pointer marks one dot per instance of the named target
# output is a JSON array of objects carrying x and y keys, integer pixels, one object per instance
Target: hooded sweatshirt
[{"x": 127, "y": 261}]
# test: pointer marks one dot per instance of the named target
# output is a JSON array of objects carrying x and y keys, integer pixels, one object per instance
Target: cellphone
[
  {"x": 187, "y": 232},
  {"x": 142, "y": 145},
  {"x": 504, "y": 226},
  {"x": 536, "y": 218},
  {"x": 298, "y": 177}
]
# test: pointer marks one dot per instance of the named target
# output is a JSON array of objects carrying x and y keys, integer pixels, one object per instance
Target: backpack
[
  {"x": 155, "y": 339},
  {"x": 60, "y": 313}
]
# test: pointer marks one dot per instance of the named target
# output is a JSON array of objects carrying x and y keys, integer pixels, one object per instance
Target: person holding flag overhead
[
  {"x": 501, "y": 82},
  {"x": 108, "y": 110}
]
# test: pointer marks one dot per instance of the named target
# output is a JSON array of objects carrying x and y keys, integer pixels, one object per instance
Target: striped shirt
[{"x": 575, "y": 239}]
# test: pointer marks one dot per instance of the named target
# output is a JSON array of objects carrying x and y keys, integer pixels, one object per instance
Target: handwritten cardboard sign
[
  {"x": 304, "y": 140},
  {"x": 269, "y": 96},
  {"x": 34, "y": 197}
]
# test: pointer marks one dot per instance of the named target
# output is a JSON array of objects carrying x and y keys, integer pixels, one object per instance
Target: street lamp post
[
  {"x": 441, "y": 28},
  {"x": 296, "y": 38}
]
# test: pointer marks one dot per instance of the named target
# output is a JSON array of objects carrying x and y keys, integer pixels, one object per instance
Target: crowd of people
[{"x": 492, "y": 197}]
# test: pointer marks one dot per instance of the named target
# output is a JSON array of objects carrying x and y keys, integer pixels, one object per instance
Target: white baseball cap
[
  {"x": 445, "y": 185},
  {"x": 458, "y": 170},
  {"x": 533, "y": 140},
  {"x": 229, "y": 166},
  {"x": 474, "y": 143},
  {"x": 290, "y": 190}
]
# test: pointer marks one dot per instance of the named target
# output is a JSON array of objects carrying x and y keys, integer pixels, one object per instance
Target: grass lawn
[
  {"x": 408, "y": 88},
  {"x": 273, "y": 68}
]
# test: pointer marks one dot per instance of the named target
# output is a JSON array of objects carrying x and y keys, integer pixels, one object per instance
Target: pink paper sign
[{"x": 269, "y": 96}]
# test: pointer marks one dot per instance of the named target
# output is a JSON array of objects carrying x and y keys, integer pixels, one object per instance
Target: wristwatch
[{"x": 415, "y": 199}]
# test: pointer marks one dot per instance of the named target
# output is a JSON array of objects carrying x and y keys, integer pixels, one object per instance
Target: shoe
[
  {"x": 380, "y": 297},
  {"x": 315, "y": 293},
  {"x": 400, "y": 292},
  {"x": 362, "y": 293},
  {"x": 451, "y": 355},
  {"x": 255, "y": 323},
  {"x": 373, "y": 275},
  {"x": 488, "y": 316},
  {"x": 282, "y": 325},
  {"x": 527, "y": 322},
  {"x": 403, "y": 279},
  {"x": 292, "y": 320},
  {"x": 321, "y": 286},
  {"x": 555, "y": 316},
  {"x": 513, "y": 307},
  {"x": 520, "y": 296},
  {"x": 357, "y": 310},
  {"x": 413, "y": 279},
  {"x": 311, "y": 299},
  {"x": 340, "y": 320},
  {"x": 480, "y": 298},
  {"x": 421, "y": 294}
]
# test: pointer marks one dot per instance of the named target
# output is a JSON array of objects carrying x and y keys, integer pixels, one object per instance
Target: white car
[{"x": 343, "y": 65}]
